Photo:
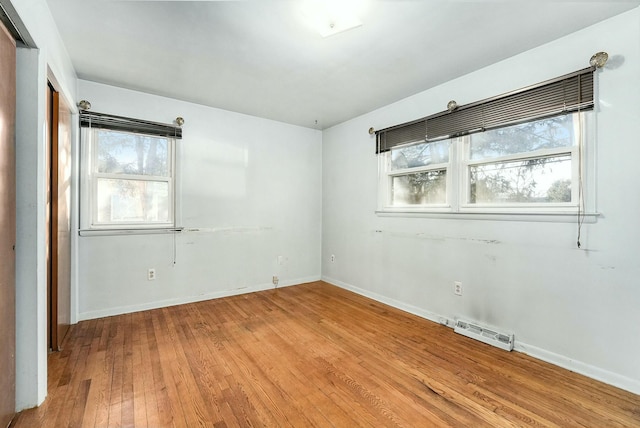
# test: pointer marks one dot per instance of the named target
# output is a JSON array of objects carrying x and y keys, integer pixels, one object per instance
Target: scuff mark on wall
[
  {"x": 491, "y": 258},
  {"x": 229, "y": 230},
  {"x": 441, "y": 238}
]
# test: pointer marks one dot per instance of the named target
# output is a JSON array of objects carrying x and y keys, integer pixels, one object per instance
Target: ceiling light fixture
[{"x": 329, "y": 17}]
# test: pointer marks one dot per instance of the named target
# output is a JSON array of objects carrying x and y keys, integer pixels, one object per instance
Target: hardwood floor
[{"x": 303, "y": 356}]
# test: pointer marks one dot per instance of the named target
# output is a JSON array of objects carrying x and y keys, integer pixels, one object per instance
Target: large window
[
  {"x": 128, "y": 178},
  {"x": 522, "y": 152},
  {"x": 518, "y": 168}
]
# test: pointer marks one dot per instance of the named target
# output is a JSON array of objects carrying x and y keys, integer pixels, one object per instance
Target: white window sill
[
  {"x": 129, "y": 231},
  {"x": 552, "y": 217}
]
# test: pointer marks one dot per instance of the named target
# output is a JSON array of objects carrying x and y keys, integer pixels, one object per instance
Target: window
[
  {"x": 128, "y": 176},
  {"x": 417, "y": 174},
  {"x": 523, "y": 152},
  {"x": 523, "y": 167},
  {"x": 532, "y": 163}
]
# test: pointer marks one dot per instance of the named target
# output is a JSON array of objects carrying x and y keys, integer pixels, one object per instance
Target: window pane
[
  {"x": 542, "y": 134},
  {"x": 132, "y": 201},
  {"x": 127, "y": 153},
  {"x": 531, "y": 181},
  {"x": 422, "y": 188},
  {"x": 420, "y": 155}
]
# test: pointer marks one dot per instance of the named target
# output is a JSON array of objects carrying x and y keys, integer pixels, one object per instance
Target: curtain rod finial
[
  {"x": 599, "y": 59},
  {"x": 372, "y": 131},
  {"x": 84, "y": 105},
  {"x": 179, "y": 121}
]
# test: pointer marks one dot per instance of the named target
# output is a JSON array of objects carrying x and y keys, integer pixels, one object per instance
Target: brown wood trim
[
  {"x": 47, "y": 228},
  {"x": 54, "y": 219},
  {"x": 58, "y": 221},
  {"x": 63, "y": 214}
]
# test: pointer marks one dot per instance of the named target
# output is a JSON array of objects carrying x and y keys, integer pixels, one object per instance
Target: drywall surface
[
  {"x": 574, "y": 307},
  {"x": 249, "y": 199},
  {"x": 34, "y": 66}
]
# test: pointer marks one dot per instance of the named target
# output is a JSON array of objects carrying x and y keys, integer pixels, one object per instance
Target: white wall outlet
[
  {"x": 457, "y": 288},
  {"x": 280, "y": 260},
  {"x": 275, "y": 280},
  {"x": 333, "y": 258},
  {"x": 151, "y": 274}
]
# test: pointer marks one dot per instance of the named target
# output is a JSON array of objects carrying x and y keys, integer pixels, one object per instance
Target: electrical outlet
[
  {"x": 275, "y": 280},
  {"x": 457, "y": 288},
  {"x": 151, "y": 274},
  {"x": 333, "y": 258}
]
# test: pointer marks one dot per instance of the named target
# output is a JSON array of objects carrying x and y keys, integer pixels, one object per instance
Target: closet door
[{"x": 7, "y": 227}]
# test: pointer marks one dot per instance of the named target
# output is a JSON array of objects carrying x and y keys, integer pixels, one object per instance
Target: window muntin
[
  {"x": 521, "y": 168},
  {"x": 129, "y": 179}
]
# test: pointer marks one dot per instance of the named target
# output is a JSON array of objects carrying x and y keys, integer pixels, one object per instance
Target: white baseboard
[
  {"x": 431, "y": 316},
  {"x": 593, "y": 372},
  {"x": 107, "y": 312},
  {"x": 588, "y": 370}
]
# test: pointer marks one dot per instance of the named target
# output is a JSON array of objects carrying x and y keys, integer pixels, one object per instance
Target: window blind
[
  {"x": 562, "y": 95},
  {"x": 119, "y": 123},
  {"x": 411, "y": 132}
]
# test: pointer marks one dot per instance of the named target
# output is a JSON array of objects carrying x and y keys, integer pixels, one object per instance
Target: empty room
[{"x": 319, "y": 213}]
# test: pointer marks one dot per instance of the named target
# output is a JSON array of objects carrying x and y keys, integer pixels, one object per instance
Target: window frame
[
  {"x": 386, "y": 183},
  {"x": 90, "y": 177},
  {"x": 458, "y": 181}
]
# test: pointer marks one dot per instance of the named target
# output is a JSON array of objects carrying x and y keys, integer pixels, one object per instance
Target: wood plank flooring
[{"x": 312, "y": 355}]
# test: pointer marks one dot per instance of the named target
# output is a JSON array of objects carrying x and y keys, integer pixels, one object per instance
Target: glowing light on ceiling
[{"x": 329, "y": 17}]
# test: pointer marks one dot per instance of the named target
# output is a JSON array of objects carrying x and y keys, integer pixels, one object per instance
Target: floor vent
[{"x": 483, "y": 334}]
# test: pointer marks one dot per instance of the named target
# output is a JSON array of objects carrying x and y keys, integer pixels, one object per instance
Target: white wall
[
  {"x": 575, "y": 307},
  {"x": 33, "y": 67},
  {"x": 251, "y": 186}
]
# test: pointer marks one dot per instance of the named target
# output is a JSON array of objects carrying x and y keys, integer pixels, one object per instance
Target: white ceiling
[{"x": 261, "y": 58}]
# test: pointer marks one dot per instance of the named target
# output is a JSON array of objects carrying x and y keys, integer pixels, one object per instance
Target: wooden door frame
[
  {"x": 52, "y": 227},
  {"x": 59, "y": 162}
]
